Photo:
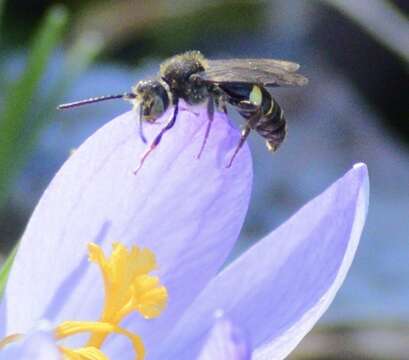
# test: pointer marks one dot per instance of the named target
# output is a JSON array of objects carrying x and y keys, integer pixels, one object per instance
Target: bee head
[{"x": 153, "y": 98}]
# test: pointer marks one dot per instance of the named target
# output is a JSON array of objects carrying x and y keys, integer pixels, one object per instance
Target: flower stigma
[{"x": 128, "y": 287}]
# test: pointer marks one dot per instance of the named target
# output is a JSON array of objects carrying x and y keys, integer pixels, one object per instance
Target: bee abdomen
[{"x": 272, "y": 126}]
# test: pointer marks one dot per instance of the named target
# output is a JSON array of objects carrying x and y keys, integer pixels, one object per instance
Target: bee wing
[
  {"x": 266, "y": 72},
  {"x": 257, "y": 63}
]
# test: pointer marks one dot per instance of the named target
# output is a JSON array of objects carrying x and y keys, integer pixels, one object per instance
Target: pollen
[{"x": 128, "y": 288}]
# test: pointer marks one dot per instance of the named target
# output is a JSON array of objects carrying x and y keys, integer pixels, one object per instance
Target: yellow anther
[{"x": 128, "y": 288}]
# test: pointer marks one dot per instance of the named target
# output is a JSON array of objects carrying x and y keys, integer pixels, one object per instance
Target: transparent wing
[{"x": 267, "y": 72}]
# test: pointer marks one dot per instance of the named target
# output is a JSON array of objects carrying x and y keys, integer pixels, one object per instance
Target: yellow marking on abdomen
[
  {"x": 256, "y": 96},
  {"x": 272, "y": 106}
]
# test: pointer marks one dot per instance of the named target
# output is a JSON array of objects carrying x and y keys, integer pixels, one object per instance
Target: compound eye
[
  {"x": 158, "y": 107},
  {"x": 153, "y": 99},
  {"x": 153, "y": 108}
]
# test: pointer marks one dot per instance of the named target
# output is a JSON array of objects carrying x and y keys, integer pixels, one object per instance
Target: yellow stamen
[
  {"x": 128, "y": 288},
  {"x": 70, "y": 328},
  {"x": 85, "y": 353}
]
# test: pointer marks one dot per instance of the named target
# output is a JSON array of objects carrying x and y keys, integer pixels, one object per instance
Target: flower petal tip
[
  {"x": 359, "y": 165},
  {"x": 361, "y": 170}
]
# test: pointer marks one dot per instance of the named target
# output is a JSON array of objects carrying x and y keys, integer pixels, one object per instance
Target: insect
[{"x": 240, "y": 83}]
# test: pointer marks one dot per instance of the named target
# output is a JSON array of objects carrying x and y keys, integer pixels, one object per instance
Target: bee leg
[
  {"x": 221, "y": 104},
  {"x": 246, "y": 105},
  {"x": 158, "y": 137},
  {"x": 140, "y": 128},
  {"x": 252, "y": 114},
  {"x": 210, "y": 116},
  {"x": 244, "y": 134}
]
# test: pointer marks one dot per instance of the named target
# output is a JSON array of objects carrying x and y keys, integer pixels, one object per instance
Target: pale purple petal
[
  {"x": 226, "y": 341},
  {"x": 39, "y": 344},
  {"x": 188, "y": 211},
  {"x": 280, "y": 287}
]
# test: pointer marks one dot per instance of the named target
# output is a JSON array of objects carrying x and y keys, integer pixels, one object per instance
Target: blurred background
[{"x": 356, "y": 55}]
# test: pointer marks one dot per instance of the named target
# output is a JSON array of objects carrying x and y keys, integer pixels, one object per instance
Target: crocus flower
[{"x": 182, "y": 216}]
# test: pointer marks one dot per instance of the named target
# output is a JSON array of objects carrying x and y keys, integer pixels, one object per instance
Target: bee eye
[{"x": 153, "y": 107}]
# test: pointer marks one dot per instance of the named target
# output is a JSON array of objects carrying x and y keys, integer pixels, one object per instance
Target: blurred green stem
[
  {"x": 82, "y": 53},
  {"x": 19, "y": 97},
  {"x": 5, "y": 269},
  {"x": 78, "y": 58}
]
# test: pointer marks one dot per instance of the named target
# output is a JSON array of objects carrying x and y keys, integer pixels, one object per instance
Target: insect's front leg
[
  {"x": 158, "y": 137},
  {"x": 140, "y": 123}
]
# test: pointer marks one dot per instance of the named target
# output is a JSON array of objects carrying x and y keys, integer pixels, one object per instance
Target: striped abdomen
[
  {"x": 262, "y": 112},
  {"x": 271, "y": 124}
]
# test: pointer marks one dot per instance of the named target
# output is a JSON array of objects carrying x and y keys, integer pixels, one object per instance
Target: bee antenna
[{"x": 125, "y": 96}]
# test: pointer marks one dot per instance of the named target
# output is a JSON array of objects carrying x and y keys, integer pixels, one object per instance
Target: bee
[{"x": 240, "y": 83}]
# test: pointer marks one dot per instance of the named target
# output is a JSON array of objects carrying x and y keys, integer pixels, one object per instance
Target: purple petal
[
  {"x": 280, "y": 287},
  {"x": 188, "y": 211},
  {"x": 226, "y": 341},
  {"x": 37, "y": 345}
]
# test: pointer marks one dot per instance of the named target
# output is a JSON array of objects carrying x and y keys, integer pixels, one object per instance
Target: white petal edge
[
  {"x": 282, "y": 346},
  {"x": 245, "y": 291}
]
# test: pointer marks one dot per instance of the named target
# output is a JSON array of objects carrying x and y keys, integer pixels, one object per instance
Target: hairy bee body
[
  {"x": 177, "y": 72},
  {"x": 240, "y": 83}
]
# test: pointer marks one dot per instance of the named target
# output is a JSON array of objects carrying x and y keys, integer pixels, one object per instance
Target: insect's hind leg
[
  {"x": 220, "y": 102},
  {"x": 210, "y": 117},
  {"x": 251, "y": 113},
  {"x": 244, "y": 134},
  {"x": 158, "y": 137}
]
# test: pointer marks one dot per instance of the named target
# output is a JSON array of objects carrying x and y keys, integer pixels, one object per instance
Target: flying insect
[{"x": 240, "y": 83}]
